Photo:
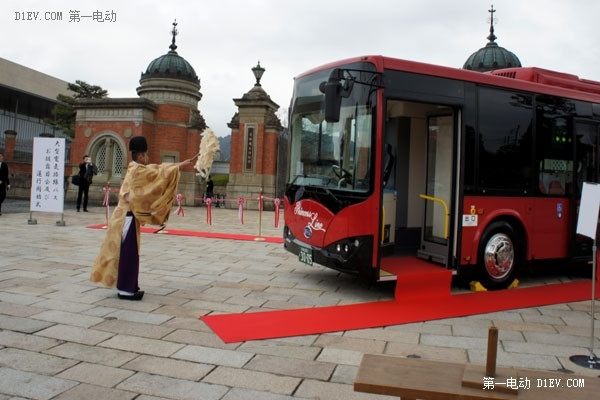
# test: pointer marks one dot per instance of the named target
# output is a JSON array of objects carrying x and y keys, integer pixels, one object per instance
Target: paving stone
[
  {"x": 96, "y": 374},
  {"x": 517, "y": 360},
  {"x": 134, "y": 329},
  {"x": 217, "y": 307},
  {"x": 422, "y": 327},
  {"x": 342, "y": 342},
  {"x": 155, "y": 385},
  {"x": 252, "y": 380},
  {"x": 524, "y": 326},
  {"x": 427, "y": 352},
  {"x": 31, "y": 361},
  {"x": 92, "y": 354},
  {"x": 280, "y": 348},
  {"x": 26, "y": 342},
  {"x": 142, "y": 345},
  {"x": 453, "y": 341},
  {"x": 559, "y": 340},
  {"x": 291, "y": 367},
  {"x": 192, "y": 371},
  {"x": 61, "y": 305},
  {"x": 19, "y": 310},
  {"x": 341, "y": 356},
  {"x": 209, "y": 355},
  {"x": 75, "y": 334},
  {"x": 344, "y": 374},
  {"x": 28, "y": 290},
  {"x": 31, "y": 385},
  {"x": 141, "y": 317},
  {"x": 544, "y": 348},
  {"x": 25, "y": 325},
  {"x": 68, "y": 318},
  {"x": 246, "y": 394},
  {"x": 503, "y": 334},
  {"x": 334, "y": 391},
  {"x": 385, "y": 335},
  {"x": 85, "y": 391},
  {"x": 194, "y": 324},
  {"x": 206, "y": 339}
]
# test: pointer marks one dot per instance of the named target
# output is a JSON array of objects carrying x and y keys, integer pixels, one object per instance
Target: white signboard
[
  {"x": 587, "y": 223},
  {"x": 48, "y": 175}
]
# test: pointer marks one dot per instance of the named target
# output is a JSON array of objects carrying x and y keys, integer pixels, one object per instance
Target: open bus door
[
  {"x": 587, "y": 167},
  {"x": 418, "y": 202},
  {"x": 439, "y": 187}
]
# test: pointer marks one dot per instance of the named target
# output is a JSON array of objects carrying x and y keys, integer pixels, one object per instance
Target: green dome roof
[
  {"x": 171, "y": 65},
  {"x": 491, "y": 56}
]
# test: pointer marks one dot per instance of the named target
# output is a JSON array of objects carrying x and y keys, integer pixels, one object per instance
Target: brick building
[{"x": 166, "y": 113}]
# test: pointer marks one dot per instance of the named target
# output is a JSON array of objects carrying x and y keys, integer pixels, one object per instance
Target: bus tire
[{"x": 499, "y": 255}]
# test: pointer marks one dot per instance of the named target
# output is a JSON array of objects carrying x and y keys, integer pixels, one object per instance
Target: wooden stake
[{"x": 492, "y": 352}]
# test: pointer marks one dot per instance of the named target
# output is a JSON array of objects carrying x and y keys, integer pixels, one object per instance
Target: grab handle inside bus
[{"x": 446, "y": 213}]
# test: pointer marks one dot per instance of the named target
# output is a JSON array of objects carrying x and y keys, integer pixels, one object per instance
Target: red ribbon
[
  {"x": 208, "y": 202},
  {"x": 277, "y": 203},
  {"x": 241, "y": 210},
  {"x": 179, "y": 206}
]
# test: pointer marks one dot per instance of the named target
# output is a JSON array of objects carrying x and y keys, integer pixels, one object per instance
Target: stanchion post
[
  {"x": 260, "y": 199},
  {"x": 590, "y": 361}
]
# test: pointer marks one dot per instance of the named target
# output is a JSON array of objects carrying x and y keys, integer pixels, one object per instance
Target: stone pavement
[{"x": 63, "y": 337}]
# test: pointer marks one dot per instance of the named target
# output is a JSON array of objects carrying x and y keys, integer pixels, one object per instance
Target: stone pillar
[
  {"x": 9, "y": 144},
  {"x": 255, "y": 133}
]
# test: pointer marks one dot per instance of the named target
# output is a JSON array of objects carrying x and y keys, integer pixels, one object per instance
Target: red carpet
[
  {"x": 212, "y": 235},
  {"x": 417, "y": 300}
]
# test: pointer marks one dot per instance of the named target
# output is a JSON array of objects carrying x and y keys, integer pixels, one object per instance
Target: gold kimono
[{"x": 148, "y": 191}]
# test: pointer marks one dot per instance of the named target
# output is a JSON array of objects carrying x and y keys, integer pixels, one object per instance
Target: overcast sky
[{"x": 224, "y": 39}]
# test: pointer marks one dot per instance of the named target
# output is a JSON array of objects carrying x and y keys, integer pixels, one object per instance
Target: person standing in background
[
  {"x": 87, "y": 170},
  {"x": 4, "y": 181}
]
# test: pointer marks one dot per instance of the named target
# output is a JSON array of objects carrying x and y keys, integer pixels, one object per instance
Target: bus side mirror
[{"x": 334, "y": 91}]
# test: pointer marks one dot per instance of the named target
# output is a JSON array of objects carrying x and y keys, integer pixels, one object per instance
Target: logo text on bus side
[{"x": 314, "y": 223}]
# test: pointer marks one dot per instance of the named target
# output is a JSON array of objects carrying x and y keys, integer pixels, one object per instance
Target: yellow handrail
[{"x": 447, "y": 214}]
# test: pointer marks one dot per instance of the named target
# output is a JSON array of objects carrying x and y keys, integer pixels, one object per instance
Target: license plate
[{"x": 305, "y": 255}]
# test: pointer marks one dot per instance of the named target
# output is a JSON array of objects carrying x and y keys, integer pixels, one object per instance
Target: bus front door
[{"x": 435, "y": 231}]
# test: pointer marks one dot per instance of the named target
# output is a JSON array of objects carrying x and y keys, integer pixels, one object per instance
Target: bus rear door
[{"x": 439, "y": 187}]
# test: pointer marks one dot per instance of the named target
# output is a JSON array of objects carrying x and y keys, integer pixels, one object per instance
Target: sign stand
[
  {"x": 62, "y": 220},
  {"x": 590, "y": 203},
  {"x": 47, "y": 178},
  {"x": 31, "y": 221}
]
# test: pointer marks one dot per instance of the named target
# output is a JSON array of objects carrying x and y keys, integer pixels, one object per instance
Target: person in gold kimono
[{"x": 146, "y": 197}]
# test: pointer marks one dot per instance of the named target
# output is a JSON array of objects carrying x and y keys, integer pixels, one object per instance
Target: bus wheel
[{"x": 499, "y": 256}]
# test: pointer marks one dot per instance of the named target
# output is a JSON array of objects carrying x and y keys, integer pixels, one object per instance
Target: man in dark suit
[
  {"x": 4, "y": 181},
  {"x": 87, "y": 170}
]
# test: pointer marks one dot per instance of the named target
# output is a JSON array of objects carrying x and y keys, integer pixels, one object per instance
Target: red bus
[{"x": 472, "y": 171}]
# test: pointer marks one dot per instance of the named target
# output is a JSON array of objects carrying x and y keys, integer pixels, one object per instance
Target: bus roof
[{"x": 531, "y": 79}]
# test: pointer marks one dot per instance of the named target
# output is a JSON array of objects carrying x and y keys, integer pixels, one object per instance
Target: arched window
[{"x": 108, "y": 154}]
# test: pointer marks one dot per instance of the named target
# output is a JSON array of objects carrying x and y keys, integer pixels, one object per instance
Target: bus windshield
[{"x": 333, "y": 155}]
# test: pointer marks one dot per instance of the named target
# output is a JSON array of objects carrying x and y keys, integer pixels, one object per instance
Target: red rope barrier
[{"x": 208, "y": 201}]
